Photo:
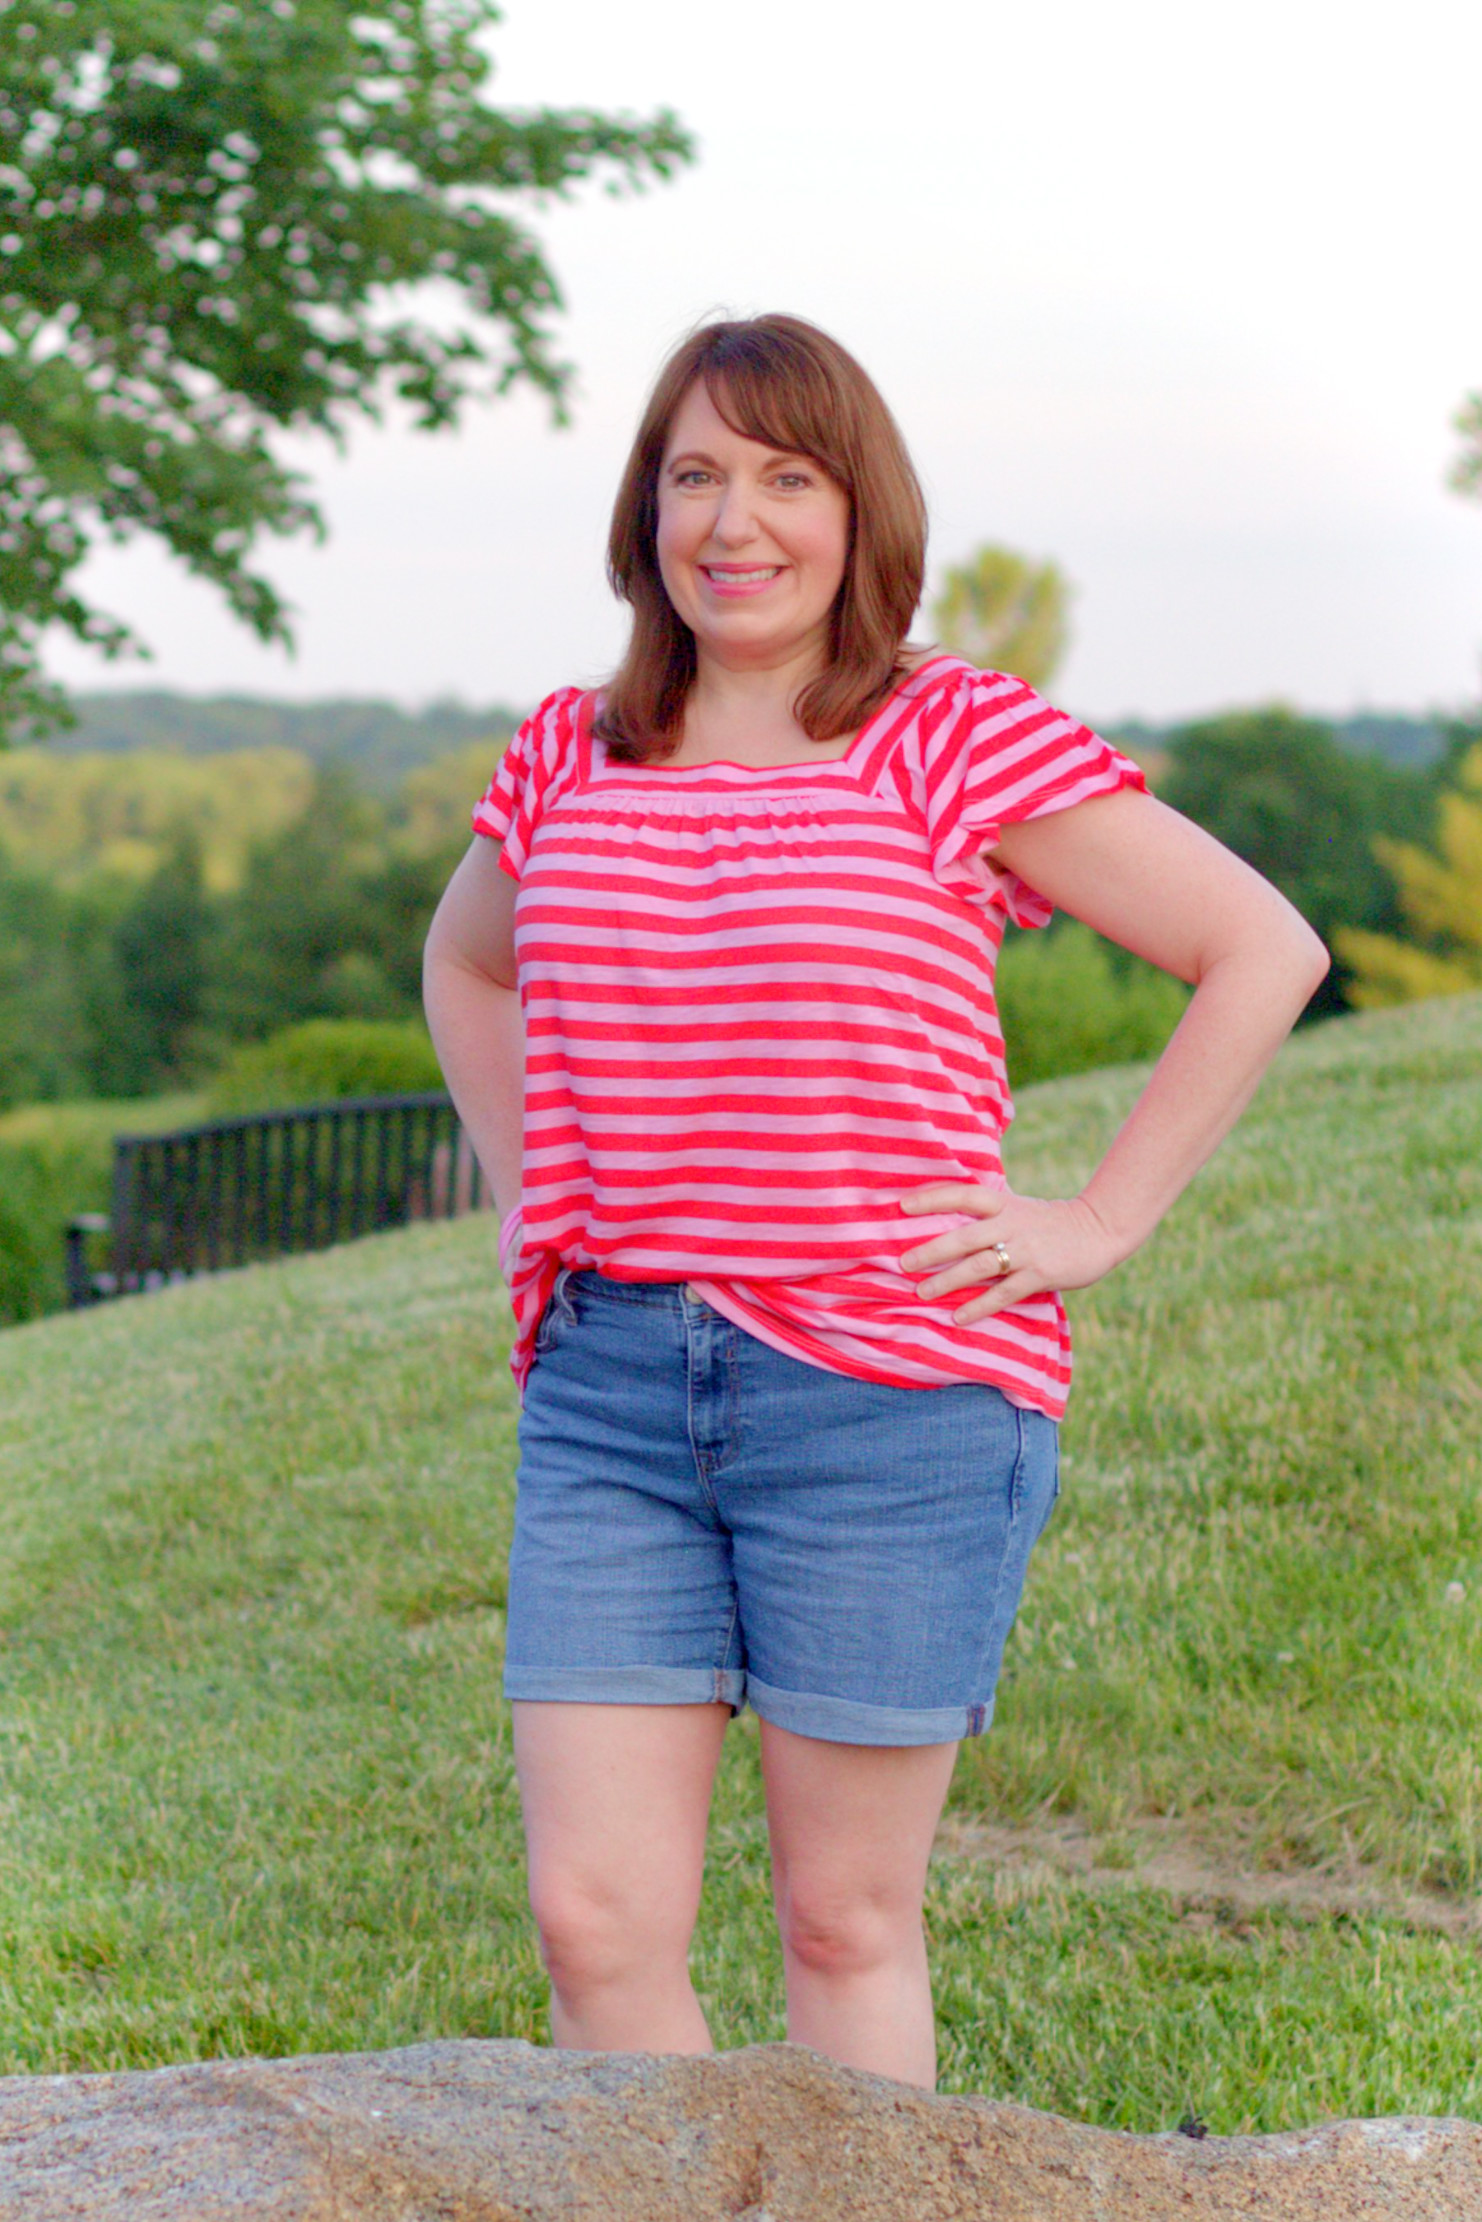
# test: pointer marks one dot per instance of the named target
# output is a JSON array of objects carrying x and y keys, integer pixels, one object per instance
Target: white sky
[{"x": 1184, "y": 295}]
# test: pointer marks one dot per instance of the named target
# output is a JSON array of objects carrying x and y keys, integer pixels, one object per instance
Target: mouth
[{"x": 741, "y": 579}]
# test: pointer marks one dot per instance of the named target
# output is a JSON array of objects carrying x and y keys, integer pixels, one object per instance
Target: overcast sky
[{"x": 1182, "y": 294}]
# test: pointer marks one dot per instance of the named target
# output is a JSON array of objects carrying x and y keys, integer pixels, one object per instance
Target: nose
[{"x": 735, "y": 520}]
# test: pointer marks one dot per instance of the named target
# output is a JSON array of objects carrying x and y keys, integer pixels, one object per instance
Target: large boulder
[{"x": 472, "y": 2132}]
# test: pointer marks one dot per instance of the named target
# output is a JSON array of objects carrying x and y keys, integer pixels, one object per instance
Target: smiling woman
[
  {"x": 713, "y": 991},
  {"x": 779, "y": 479}
]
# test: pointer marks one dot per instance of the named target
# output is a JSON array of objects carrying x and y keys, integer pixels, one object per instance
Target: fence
[{"x": 238, "y": 1190}]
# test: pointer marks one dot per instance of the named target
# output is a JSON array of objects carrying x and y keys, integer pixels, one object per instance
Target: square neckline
[{"x": 595, "y": 765}]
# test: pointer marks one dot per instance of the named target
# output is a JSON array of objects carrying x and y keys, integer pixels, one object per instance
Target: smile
[{"x": 761, "y": 575}]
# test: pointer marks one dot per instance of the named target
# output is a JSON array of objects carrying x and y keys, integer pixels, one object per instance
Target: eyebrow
[{"x": 699, "y": 455}]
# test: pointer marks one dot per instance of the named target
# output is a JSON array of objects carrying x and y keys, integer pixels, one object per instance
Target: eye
[
  {"x": 791, "y": 480},
  {"x": 694, "y": 475}
]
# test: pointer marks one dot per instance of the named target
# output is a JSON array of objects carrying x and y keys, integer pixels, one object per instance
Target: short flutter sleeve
[
  {"x": 538, "y": 763},
  {"x": 998, "y": 754}
]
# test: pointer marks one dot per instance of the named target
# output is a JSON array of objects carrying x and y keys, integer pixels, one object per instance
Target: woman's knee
[
  {"x": 831, "y": 1933},
  {"x": 592, "y": 1935}
]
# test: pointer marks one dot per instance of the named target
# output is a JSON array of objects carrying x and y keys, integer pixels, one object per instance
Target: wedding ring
[{"x": 1005, "y": 1262}]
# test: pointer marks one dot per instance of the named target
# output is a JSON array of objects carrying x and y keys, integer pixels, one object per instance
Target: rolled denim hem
[
  {"x": 843, "y": 1720},
  {"x": 627, "y": 1685}
]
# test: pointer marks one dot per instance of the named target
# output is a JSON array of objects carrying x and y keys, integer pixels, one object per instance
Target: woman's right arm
[{"x": 471, "y": 993}]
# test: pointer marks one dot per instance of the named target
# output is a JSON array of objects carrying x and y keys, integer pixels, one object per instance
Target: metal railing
[{"x": 235, "y": 1191}]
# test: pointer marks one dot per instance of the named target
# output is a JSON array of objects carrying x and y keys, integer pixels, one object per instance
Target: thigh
[
  {"x": 615, "y": 1801},
  {"x": 852, "y": 1825}
]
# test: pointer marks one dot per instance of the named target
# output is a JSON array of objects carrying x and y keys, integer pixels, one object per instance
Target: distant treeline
[
  {"x": 379, "y": 741},
  {"x": 1413, "y": 743}
]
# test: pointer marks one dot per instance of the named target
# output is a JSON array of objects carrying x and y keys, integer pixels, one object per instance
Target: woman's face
[{"x": 752, "y": 541}]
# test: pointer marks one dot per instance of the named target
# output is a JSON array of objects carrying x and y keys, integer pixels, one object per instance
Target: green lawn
[{"x": 254, "y": 1767}]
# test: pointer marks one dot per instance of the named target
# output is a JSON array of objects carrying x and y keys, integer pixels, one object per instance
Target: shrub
[
  {"x": 1069, "y": 1003},
  {"x": 322, "y": 1059},
  {"x": 56, "y": 1159}
]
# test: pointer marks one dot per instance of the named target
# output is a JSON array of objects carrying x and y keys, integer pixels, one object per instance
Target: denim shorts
[{"x": 704, "y": 1519}]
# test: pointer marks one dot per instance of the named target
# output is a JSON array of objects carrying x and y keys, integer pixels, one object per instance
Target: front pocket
[{"x": 559, "y": 1314}]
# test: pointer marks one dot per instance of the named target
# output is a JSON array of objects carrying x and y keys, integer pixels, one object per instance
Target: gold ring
[{"x": 1005, "y": 1262}]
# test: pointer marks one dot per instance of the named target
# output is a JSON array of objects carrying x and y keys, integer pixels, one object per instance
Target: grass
[{"x": 255, "y": 1782}]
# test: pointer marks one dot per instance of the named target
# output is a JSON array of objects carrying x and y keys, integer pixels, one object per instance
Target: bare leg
[
  {"x": 852, "y": 1828},
  {"x": 615, "y": 1799}
]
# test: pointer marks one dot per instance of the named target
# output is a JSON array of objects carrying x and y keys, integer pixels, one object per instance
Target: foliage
[
  {"x": 1278, "y": 790},
  {"x": 102, "y": 988},
  {"x": 47, "y": 954},
  {"x": 1467, "y": 475},
  {"x": 213, "y": 214},
  {"x": 77, "y": 816},
  {"x": 252, "y": 1530},
  {"x": 1070, "y": 1002},
  {"x": 378, "y": 743},
  {"x": 1441, "y": 896},
  {"x": 326, "y": 923},
  {"x": 1004, "y": 612},
  {"x": 161, "y": 951},
  {"x": 433, "y": 806},
  {"x": 135, "y": 953},
  {"x": 56, "y": 1160},
  {"x": 324, "y": 1059}
]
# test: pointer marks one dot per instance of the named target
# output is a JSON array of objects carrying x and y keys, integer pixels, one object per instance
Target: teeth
[{"x": 745, "y": 578}]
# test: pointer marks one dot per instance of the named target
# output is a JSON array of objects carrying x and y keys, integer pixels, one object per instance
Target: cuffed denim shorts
[{"x": 704, "y": 1519}]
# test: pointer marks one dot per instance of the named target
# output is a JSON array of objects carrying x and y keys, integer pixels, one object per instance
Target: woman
[{"x": 791, "y": 1350}]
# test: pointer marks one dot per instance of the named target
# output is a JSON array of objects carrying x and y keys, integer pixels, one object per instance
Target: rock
[{"x": 473, "y": 2132}]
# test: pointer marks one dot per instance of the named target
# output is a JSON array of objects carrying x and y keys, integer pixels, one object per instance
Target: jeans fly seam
[{"x": 701, "y": 1474}]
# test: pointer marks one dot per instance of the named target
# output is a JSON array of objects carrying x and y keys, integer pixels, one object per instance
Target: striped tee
[{"x": 759, "y": 1008}]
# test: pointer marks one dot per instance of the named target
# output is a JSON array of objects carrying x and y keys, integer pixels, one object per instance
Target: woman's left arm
[{"x": 1145, "y": 877}]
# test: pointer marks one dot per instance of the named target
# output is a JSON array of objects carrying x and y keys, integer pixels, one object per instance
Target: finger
[
  {"x": 956, "y": 1195},
  {"x": 973, "y": 1271},
  {"x": 984, "y": 1204},
  {"x": 943, "y": 1249},
  {"x": 1014, "y": 1288},
  {"x": 967, "y": 1251}
]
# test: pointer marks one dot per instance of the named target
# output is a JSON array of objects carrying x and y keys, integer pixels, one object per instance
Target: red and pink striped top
[{"x": 759, "y": 1008}]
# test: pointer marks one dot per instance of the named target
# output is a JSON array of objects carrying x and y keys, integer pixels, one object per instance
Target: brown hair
[{"x": 777, "y": 379}]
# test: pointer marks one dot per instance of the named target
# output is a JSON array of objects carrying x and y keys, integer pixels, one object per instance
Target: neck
[{"x": 759, "y": 694}]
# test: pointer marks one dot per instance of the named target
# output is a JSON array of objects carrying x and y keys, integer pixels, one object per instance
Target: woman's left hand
[{"x": 1051, "y": 1245}]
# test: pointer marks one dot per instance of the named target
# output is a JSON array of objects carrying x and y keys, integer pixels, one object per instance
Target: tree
[
  {"x": 1277, "y": 789},
  {"x": 302, "y": 937},
  {"x": 1004, "y": 612},
  {"x": 1467, "y": 474},
  {"x": 160, "y": 946},
  {"x": 44, "y": 1031},
  {"x": 212, "y": 217},
  {"x": 1441, "y": 896}
]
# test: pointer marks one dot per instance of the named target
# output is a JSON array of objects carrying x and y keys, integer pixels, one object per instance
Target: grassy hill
[{"x": 1223, "y": 1849}]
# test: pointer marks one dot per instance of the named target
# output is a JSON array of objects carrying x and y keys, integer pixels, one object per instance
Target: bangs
[
  {"x": 784, "y": 383},
  {"x": 765, "y": 398}
]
